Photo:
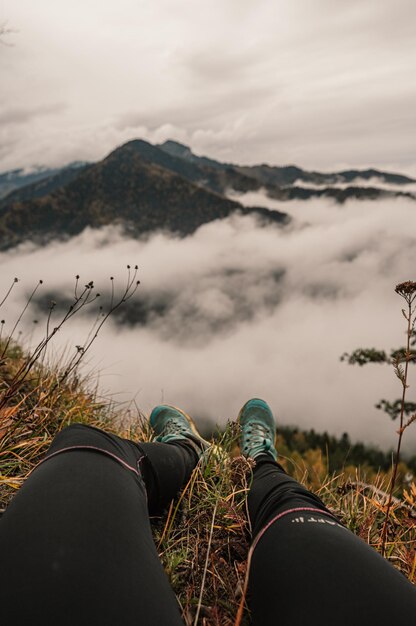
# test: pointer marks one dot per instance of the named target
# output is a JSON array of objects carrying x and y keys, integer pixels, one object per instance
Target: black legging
[
  {"x": 307, "y": 569},
  {"x": 76, "y": 545}
]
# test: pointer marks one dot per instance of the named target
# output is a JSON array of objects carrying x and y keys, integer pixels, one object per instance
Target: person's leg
[
  {"x": 160, "y": 470},
  {"x": 75, "y": 542},
  {"x": 305, "y": 567}
]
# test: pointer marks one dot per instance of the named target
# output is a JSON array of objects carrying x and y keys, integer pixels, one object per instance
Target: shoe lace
[
  {"x": 258, "y": 435},
  {"x": 174, "y": 426}
]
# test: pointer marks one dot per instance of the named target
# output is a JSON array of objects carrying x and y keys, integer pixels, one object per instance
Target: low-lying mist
[
  {"x": 239, "y": 310},
  {"x": 375, "y": 182}
]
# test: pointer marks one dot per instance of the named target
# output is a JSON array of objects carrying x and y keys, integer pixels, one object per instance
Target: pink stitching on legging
[
  {"x": 263, "y": 530},
  {"x": 254, "y": 544},
  {"x": 116, "y": 458}
]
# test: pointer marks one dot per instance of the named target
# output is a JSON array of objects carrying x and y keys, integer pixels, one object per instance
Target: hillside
[
  {"x": 276, "y": 179},
  {"x": 147, "y": 187},
  {"x": 217, "y": 178},
  {"x": 288, "y": 175},
  {"x": 43, "y": 186},
  {"x": 46, "y": 401},
  {"x": 122, "y": 189},
  {"x": 16, "y": 179}
]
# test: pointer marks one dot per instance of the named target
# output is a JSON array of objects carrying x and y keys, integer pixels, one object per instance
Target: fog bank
[{"x": 239, "y": 310}]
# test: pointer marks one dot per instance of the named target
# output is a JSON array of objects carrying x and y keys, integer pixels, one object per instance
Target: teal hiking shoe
[
  {"x": 171, "y": 424},
  {"x": 257, "y": 429}
]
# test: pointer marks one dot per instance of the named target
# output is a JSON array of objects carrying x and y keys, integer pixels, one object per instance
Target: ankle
[
  {"x": 267, "y": 459},
  {"x": 190, "y": 447}
]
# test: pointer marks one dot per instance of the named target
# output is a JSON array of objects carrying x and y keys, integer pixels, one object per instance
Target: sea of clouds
[
  {"x": 239, "y": 310},
  {"x": 374, "y": 182}
]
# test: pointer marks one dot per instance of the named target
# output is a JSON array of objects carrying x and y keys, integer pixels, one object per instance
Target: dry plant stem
[
  {"x": 206, "y": 564},
  {"x": 401, "y": 429},
  {"x": 9, "y": 291},
  {"x": 30, "y": 362},
  {"x": 129, "y": 291},
  {"x": 82, "y": 300},
  {"x": 241, "y": 606},
  {"x": 19, "y": 318}
]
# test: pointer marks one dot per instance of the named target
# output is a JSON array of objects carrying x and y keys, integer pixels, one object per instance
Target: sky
[
  {"x": 322, "y": 84},
  {"x": 239, "y": 310}
]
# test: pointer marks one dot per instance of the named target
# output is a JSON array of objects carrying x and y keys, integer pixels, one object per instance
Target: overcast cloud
[
  {"x": 321, "y": 84},
  {"x": 238, "y": 310}
]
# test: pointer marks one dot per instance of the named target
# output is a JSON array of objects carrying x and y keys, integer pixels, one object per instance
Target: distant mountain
[
  {"x": 339, "y": 195},
  {"x": 15, "y": 179},
  {"x": 184, "y": 152},
  {"x": 284, "y": 175},
  {"x": 43, "y": 186},
  {"x": 218, "y": 178},
  {"x": 289, "y": 175},
  {"x": 348, "y": 176},
  {"x": 147, "y": 187},
  {"x": 280, "y": 182},
  {"x": 125, "y": 188}
]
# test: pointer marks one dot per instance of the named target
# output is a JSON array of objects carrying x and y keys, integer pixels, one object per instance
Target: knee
[
  {"x": 75, "y": 427},
  {"x": 76, "y": 434}
]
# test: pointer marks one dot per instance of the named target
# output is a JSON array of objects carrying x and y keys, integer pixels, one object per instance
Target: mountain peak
[
  {"x": 181, "y": 151},
  {"x": 176, "y": 149}
]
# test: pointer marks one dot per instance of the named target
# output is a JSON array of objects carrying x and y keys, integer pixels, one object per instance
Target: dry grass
[
  {"x": 40, "y": 406},
  {"x": 203, "y": 539},
  {"x": 362, "y": 508}
]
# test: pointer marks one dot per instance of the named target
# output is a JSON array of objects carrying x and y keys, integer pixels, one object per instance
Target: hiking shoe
[
  {"x": 171, "y": 424},
  {"x": 257, "y": 429}
]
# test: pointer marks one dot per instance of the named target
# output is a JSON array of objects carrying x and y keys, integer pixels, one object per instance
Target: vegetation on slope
[
  {"x": 203, "y": 538},
  {"x": 147, "y": 187},
  {"x": 124, "y": 189}
]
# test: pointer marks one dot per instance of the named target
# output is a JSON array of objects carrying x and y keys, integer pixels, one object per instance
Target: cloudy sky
[{"x": 318, "y": 83}]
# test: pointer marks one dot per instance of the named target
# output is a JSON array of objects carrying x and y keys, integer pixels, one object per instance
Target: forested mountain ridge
[
  {"x": 123, "y": 189},
  {"x": 145, "y": 187},
  {"x": 287, "y": 174}
]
